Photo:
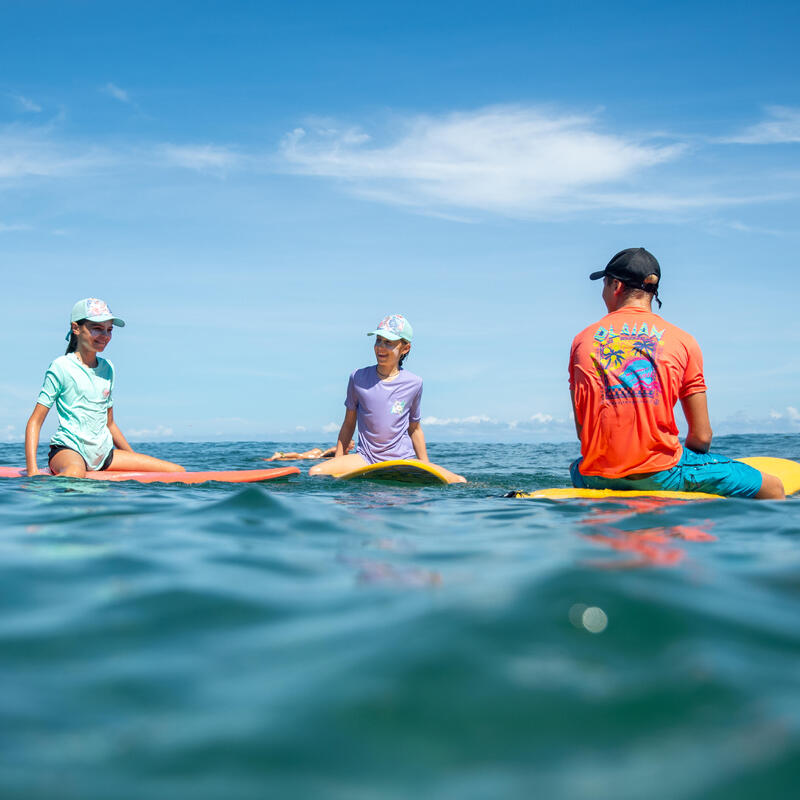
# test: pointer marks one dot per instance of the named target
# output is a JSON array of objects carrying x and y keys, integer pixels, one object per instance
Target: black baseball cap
[{"x": 633, "y": 267}]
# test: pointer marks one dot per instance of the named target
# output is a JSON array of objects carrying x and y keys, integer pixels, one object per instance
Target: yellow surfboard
[
  {"x": 785, "y": 469},
  {"x": 403, "y": 470}
]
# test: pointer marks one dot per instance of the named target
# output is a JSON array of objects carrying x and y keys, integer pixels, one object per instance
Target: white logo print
[{"x": 398, "y": 406}]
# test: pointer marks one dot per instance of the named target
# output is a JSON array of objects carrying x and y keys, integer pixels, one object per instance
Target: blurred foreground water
[{"x": 311, "y": 638}]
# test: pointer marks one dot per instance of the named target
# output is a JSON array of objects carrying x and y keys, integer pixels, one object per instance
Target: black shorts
[{"x": 57, "y": 448}]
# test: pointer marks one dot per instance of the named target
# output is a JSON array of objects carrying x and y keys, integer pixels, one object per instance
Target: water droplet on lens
[{"x": 594, "y": 619}]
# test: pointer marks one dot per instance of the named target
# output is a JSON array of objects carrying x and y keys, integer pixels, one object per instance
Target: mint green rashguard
[{"x": 82, "y": 396}]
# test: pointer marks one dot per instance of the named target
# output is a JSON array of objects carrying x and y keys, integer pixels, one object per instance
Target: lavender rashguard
[{"x": 384, "y": 411}]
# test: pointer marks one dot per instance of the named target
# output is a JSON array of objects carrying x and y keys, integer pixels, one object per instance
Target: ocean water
[{"x": 311, "y": 638}]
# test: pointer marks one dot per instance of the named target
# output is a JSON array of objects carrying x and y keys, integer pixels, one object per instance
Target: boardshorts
[{"x": 695, "y": 472}]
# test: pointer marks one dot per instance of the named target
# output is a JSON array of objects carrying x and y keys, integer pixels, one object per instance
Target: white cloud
[
  {"x": 790, "y": 413},
  {"x": 203, "y": 158},
  {"x": 782, "y": 126},
  {"x": 27, "y": 151},
  {"x": 509, "y": 160},
  {"x": 27, "y": 104},
  {"x": 9, "y": 434},
  {"x": 159, "y": 432},
  {"x": 15, "y": 227},
  {"x": 476, "y": 419},
  {"x": 116, "y": 92},
  {"x": 330, "y": 427}
]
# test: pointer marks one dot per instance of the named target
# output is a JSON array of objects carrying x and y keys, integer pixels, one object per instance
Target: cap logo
[
  {"x": 97, "y": 308},
  {"x": 394, "y": 323}
]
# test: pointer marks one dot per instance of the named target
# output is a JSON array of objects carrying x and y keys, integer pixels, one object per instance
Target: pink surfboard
[{"x": 226, "y": 476}]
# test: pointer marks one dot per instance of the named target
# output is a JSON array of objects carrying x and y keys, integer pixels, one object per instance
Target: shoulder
[
  {"x": 61, "y": 365},
  {"x": 678, "y": 334},
  {"x": 589, "y": 332},
  {"x": 106, "y": 365},
  {"x": 410, "y": 378},
  {"x": 359, "y": 375}
]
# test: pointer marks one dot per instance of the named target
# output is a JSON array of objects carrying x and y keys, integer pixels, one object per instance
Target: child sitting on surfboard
[
  {"x": 384, "y": 401},
  {"x": 80, "y": 384}
]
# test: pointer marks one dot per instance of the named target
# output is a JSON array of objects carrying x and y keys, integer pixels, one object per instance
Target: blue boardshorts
[{"x": 695, "y": 472}]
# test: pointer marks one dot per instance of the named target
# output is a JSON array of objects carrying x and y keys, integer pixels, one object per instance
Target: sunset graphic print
[{"x": 626, "y": 363}]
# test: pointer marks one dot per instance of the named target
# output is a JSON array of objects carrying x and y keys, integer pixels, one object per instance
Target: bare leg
[
  {"x": 280, "y": 456},
  {"x": 139, "y": 462},
  {"x": 452, "y": 477},
  {"x": 336, "y": 466},
  {"x": 68, "y": 464},
  {"x": 771, "y": 488}
]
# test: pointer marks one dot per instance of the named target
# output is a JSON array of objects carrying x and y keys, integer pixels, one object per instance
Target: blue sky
[{"x": 252, "y": 186}]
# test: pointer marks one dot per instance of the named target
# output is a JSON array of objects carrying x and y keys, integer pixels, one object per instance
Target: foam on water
[{"x": 313, "y": 638}]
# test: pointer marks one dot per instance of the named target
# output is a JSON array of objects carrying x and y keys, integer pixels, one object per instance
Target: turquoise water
[{"x": 311, "y": 638}]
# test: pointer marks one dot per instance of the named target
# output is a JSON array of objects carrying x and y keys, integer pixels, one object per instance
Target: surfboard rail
[
  {"x": 223, "y": 476},
  {"x": 401, "y": 470}
]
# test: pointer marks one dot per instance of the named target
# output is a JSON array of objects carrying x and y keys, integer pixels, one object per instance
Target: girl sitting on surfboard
[
  {"x": 384, "y": 401},
  {"x": 80, "y": 384}
]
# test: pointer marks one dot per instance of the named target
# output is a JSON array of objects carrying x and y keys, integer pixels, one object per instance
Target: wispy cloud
[
  {"x": 782, "y": 126},
  {"x": 26, "y": 104},
  {"x": 514, "y": 161},
  {"x": 6, "y": 228},
  {"x": 790, "y": 414},
  {"x": 475, "y": 419},
  {"x": 28, "y": 151},
  {"x": 112, "y": 90},
  {"x": 148, "y": 434},
  {"x": 202, "y": 158},
  {"x": 483, "y": 427}
]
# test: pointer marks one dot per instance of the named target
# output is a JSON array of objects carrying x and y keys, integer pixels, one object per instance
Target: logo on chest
[{"x": 398, "y": 406}]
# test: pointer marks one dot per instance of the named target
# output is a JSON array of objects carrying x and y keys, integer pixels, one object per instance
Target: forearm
[
  {"x": 32, "y": 430},
  {"x": 697, "y": 444},
  {"x": 418, "y": 440},
  {"x": 578, "y": 426},
  {"x": 695, "y": 409},
  {"x": 120, "y": 442},
  {"x": 345, "y": 435}
]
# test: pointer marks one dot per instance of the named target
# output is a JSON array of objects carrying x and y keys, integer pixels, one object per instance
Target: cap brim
[
  {"x": 601, "y": 273},
  {"x": 120, "y": 323},
  {"x": 392, "y": 337}
]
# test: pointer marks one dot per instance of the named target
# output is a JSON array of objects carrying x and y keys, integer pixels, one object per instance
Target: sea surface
[{"x": 310, "y": 638}]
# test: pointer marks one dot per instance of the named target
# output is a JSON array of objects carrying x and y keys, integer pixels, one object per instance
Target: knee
[
  {"x": 771, "y": 488},
  {"x": 72, "y": 472}
]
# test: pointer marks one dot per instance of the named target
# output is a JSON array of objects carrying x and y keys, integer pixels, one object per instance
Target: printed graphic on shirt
[
  {"x": 626, "y": 362},
  {"x": 398, "y": 406}
]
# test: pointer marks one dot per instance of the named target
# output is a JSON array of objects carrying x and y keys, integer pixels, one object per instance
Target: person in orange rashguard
[{"x": 626, "y": 373}]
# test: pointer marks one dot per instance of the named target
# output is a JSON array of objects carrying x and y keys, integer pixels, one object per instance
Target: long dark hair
[
  {"x": 403, "y": 357},
  {"x": 73, "y": 339}
]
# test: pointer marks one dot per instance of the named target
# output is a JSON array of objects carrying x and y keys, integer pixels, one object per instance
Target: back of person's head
[{"x": 637, "y": 269}]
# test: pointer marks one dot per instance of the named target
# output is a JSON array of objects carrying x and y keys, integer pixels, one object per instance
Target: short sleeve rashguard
[
  {"x": 82, "y": 396},
  {"x": 384, "y": 410},
  {"x": 626, "y": 373}
]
